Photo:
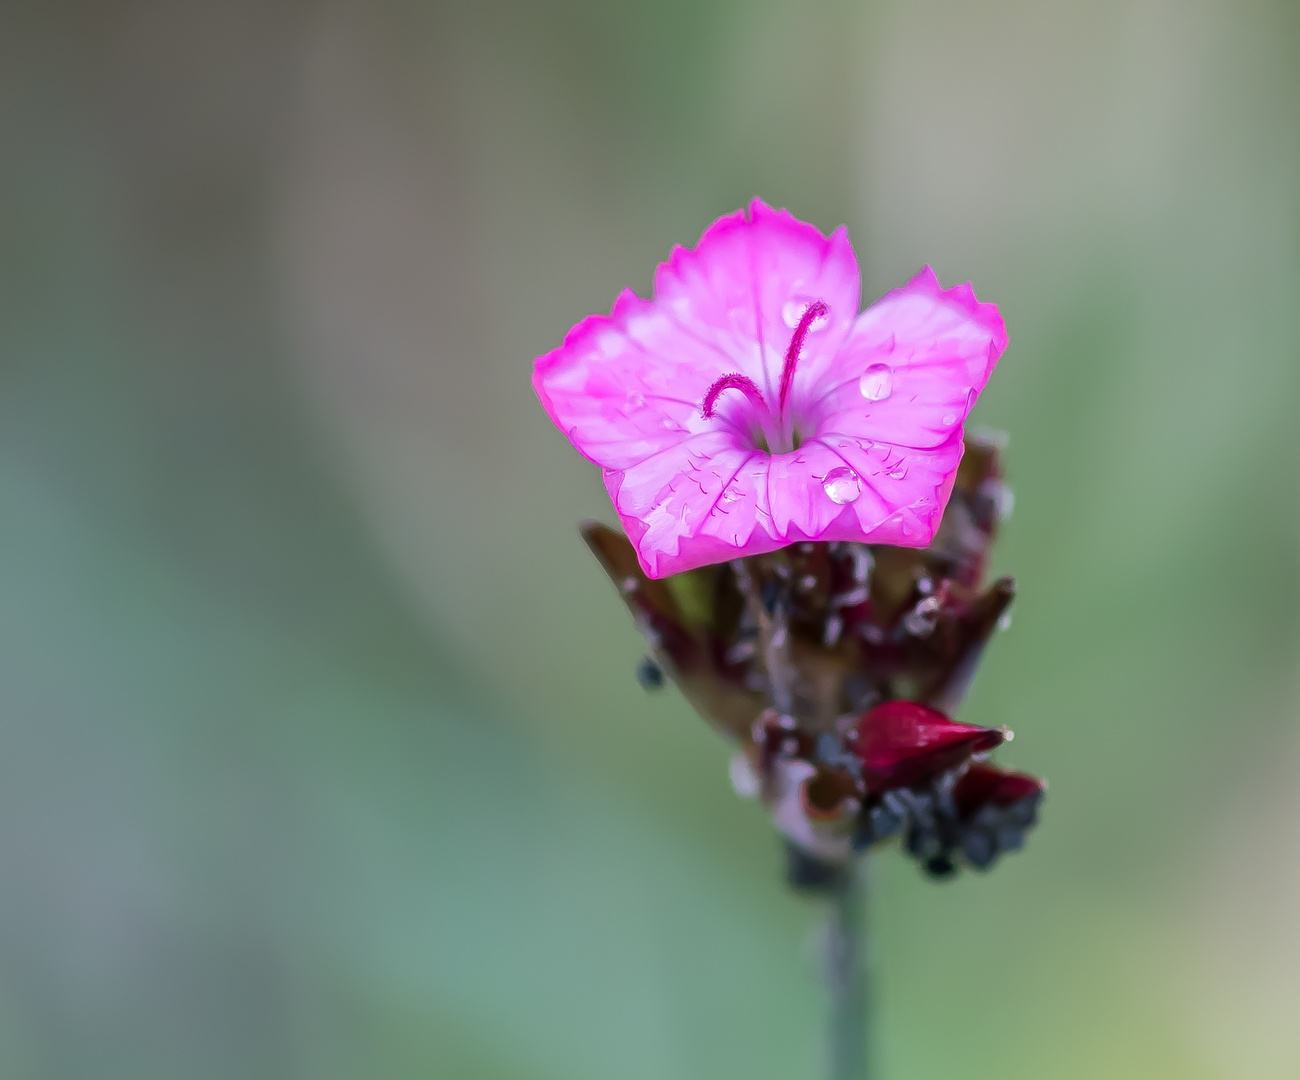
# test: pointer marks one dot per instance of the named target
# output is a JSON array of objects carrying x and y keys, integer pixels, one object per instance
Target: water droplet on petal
[
  {"x": 842, "y": 485},
  {"x": 949, "y": 419},
  {"x": 794, "y": 310},
  {"x": 877, "y": 382},
  {"x": 635, "y": 400},
  {"x": 898, "y": 472}
]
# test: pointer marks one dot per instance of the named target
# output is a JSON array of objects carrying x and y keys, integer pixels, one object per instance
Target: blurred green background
[{"x": 320, "y": 749}]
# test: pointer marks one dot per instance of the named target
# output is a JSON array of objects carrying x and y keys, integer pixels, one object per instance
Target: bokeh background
[{"x": 320, "y": 749}]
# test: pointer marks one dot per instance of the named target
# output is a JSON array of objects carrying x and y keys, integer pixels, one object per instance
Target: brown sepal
[{"x": 690, "y": 622}]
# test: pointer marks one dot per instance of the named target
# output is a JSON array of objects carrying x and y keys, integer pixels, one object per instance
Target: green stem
[{"x": 846, "y": 972}]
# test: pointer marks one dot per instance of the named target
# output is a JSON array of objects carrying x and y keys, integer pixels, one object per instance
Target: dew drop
[
  {"x": 744, "y": 780},
  {"x": 1006, "y": 502},
  {"x": 793, "y": 311},
  {"x": 741, "y": 651},
  {"x": 877, "y": 382},
  {"x": 635, "y": 400},
  {"x": 898, "y": 472},
  {"x": 949, "y": 419},
  {"x": 842, "y": 485},
  {"x": 834, "y": 627}
]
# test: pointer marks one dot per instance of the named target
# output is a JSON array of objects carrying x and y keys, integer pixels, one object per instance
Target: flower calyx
[{"x": 836, "y": 667}]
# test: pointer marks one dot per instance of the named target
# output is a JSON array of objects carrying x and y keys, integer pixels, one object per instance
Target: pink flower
[{"x": 749, "y": 405}]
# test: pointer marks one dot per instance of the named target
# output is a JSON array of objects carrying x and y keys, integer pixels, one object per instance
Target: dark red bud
[
  {"x": 901, "y": 743},
  {"x": 985, "y": 785}
]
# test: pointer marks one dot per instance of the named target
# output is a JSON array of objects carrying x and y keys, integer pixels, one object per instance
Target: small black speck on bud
[
  {"x": 649, "y": 674},
  {"x": 940, "y": 866}
]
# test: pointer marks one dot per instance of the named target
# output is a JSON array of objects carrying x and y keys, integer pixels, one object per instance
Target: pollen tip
[
  {"x": 734, "y": 381},
  {"x": 816, "y": 310}
]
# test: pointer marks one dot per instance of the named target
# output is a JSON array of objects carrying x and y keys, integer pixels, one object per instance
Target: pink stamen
[
  {"x": 816, "y": 310},
  {"x": 735, "y": 381}
]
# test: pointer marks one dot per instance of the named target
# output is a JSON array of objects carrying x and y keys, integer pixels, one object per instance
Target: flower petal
[
  {"x": 693, "y": 503},
  {"x": 816, "y": 495},
  {"x": 709, "y": 498},
  {"x": 628, "y": 385},
  {"x": 745, "y": 285},
  {"x": 909, "y": 488},
  {"x": 912, "y": 367}
]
